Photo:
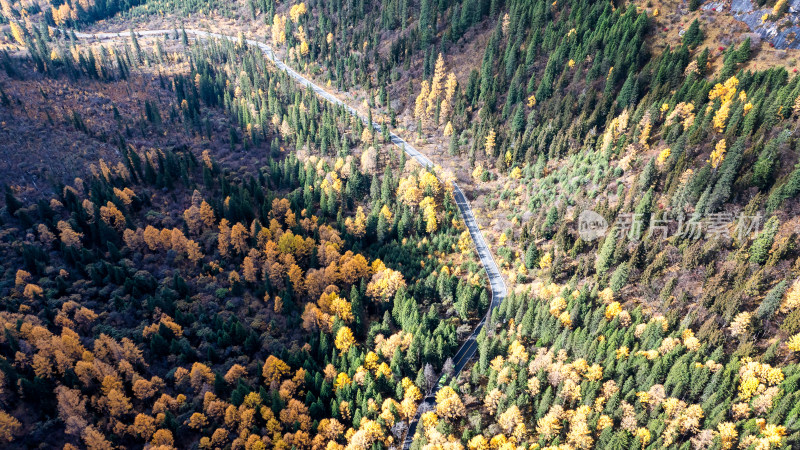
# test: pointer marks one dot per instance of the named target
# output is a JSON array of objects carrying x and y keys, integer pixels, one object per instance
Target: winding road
[{"x": 498, "y": 286}]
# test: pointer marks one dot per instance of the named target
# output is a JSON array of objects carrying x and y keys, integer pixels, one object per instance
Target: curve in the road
[{"x": 498, "y": 286}]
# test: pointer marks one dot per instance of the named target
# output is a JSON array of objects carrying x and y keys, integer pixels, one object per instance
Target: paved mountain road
[{"x": 498, "y": 286}]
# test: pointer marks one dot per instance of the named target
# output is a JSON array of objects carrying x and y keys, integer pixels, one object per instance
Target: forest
[{"x": 246, "y": 265}]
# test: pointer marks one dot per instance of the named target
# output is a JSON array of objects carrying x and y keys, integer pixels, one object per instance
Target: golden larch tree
[
  {"x": 344, "y": 339},
  {"x": 249, "y": 270},
  {"x": 9, "y": 426},
  {"x": 68, "y": 236},
  {"x": 420, "y": 111},
  {"x": 239, "y": 237},
  {"x": 224, "y": 237},
  {"x": 490, "y": 142},
  {"x": 357, "y": 226},
  {"x": 18, "y": 33},
  {"x": 193, "y": 219},
  {"x": 207, "y": 214},
  {"x": 274, "y": 369}
]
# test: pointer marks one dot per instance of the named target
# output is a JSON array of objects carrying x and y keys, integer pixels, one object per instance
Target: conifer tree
[
  {"x": 759, "y": 250},
  {"x": 771, "y": 301},
  {"x": 693, "y": 36},
  {"x": 604, "y": 256}
]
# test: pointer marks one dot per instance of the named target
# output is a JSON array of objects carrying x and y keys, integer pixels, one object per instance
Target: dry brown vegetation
[{"x": 43, "y": 147}]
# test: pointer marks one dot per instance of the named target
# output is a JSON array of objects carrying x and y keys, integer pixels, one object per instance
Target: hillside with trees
[
  {"x": 241, "y": 263},
  {"x": 168, "y": 296}
]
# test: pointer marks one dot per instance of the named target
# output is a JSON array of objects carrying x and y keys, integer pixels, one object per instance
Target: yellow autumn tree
[
  {"x": 94, "y": 439},
  {"x": 386, "y": 213},
  {"x": 477, "y": 173},
  {"x": 162, "y": 438},
  {"x": 385, "y": 283},
  {"x": 143, "y": 425},
  {"x": 9, "y": 426},
  {"x": 8, "y": 9},
  {"x": 408, "y": 192},
  {"x": 249, "y": 270},
  {"x": 342, "y": 308},
  {"x": 429, "y": 183},
  {"x": 274, "y": 369},
  {"x": 113, "y": 216},
  {"x": 438, "y": 76},
  {"x": 449, "y": 90},
  {"x": 448, "y": 129},
  {"x": 296, "y": 11},
  {"x": 465, "y": 242},
  {"x": 662, "y": 156},
  {"x": 546, "y": 261},
  {"x": 22, "y": 277},
  {"x": 342, "y": 380},
  {"x": 718, "y": 155},
  {"x": 31, "y": 291},
  {"x": 207, "y": 214},
  {"x": 721, "y": 116},
  {"x": 68, "y": 236},
  {"x": 193, "y": 219},
  {"x": 794, "y": 343},
  {"x": 366, "y": 135},
  {"x": 420, "y": 111},
  {"x": 18, "y": 33},
  {"x": 197, "y": 421},
  {"x": 296, "y": 278},
  {"x": 278, "y": 29},
  {"x": 490, "y": 142},
  {"x": 357, "y": 226},
  {"x": 727, "y": 434},
  {"x": 429, "y": 212},
  {"x": 779, "y": 8},
  {"x": 741, "y": 323},
  {"x": 193, "y": 252},
  {"x": 436, "y": 87},
  {"x": 449, "y": 404},
  {"x": 613, "y": 310},
  {"x": 510, "y": 419},
  {"x": 344, "y": 339},
  {"x": 239, "y": 237},
  {"x": 223, "y": 237}
]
